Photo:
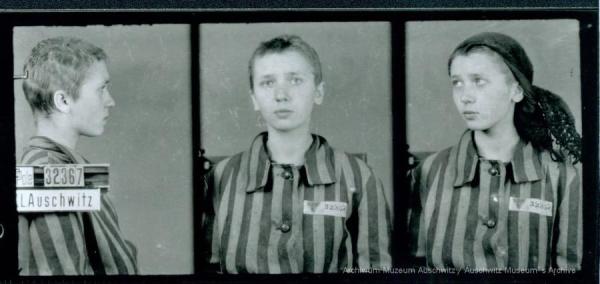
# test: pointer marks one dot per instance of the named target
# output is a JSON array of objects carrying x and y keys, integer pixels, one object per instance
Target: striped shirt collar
[
  {"x": 318, "y": 168},
  {"x": 45, "y": 143},
  {"x": 525, "y": 165}
]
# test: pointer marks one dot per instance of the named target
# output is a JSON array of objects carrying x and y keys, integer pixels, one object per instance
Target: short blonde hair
[
  {"x": 59, "y": 63},
  {"x": 284, "y": 43}
]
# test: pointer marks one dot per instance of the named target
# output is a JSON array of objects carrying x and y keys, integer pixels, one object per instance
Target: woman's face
[
  {"x": 484, "y": 91},
  {"x": 285, "y": 90}
]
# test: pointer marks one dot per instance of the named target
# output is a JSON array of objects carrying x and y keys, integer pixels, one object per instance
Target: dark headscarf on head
[{"x": 542, "y": 117}]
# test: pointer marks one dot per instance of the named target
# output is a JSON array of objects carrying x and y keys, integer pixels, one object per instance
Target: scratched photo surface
[
  {"x": 147, "y": 139},
  {"x": 356, "y": 113}
]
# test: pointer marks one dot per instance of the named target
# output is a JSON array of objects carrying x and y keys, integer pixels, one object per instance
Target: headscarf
[{"x": 542, "y": 117}]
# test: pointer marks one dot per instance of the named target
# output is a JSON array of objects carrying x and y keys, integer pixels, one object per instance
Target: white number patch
[
  {"x": 329, "y": 208},
  {"x": 532, "y": 205}
]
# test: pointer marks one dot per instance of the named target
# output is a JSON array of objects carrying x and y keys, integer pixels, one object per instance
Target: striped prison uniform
[
  {"x": 469, "y": 212},
  {"x": 54, "y": 243},
  {"x": 324, "y": 216}
]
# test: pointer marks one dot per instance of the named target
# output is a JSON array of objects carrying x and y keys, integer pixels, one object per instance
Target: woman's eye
[
  {"x": 105, "y": 87},
  {"x": 297, "y": 81},
  {"x": 267, "y": 83},
  {"x": 479, "y": 81},
  {"x": 456, "y": 83}
]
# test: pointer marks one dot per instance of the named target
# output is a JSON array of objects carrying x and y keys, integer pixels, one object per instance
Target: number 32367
[{"x": 63, "y": 176}]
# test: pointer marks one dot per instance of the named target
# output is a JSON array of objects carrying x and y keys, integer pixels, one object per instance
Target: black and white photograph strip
[
  {"x": 494, "y": 116},
  {"x": 106, "y": 111},
  {"x": 213, "y": 146},
  {"x": 296, "y": 128}
]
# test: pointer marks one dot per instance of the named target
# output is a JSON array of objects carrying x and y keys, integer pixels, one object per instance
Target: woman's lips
[
  {"x": 469, "y": 115},
  {"x": 283, "y": 113}
]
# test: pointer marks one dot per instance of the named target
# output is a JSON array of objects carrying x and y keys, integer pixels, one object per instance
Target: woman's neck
[
  {"x": 53, "y": 130},
  {"x": 288, "y": 147},
  {"x": 493, "y": 144}
]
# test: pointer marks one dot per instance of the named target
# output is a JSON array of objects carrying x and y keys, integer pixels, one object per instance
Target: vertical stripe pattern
[
  {"x": 54, "y": 243},
  {"x": 468, "y": 212},
  {"x": 256, "y": 221}
]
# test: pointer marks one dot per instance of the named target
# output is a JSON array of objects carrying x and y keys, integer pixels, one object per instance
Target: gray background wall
[
  {"x": 147, "y": 139},
  {"x": 356, "y": 113},
  {"x": 432, "y": 120}
]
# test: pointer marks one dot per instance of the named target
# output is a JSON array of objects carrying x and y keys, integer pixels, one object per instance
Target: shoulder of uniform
[
  {"x": 358, "y": 158},
  {"x": 229, "y": 159},
  {"x": 440, "y": 155},
  {"x": 36, "y": 156},
  {"x": 226, "y": 163}
]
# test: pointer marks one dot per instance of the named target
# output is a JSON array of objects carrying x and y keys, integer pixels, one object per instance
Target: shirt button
[
  {"x": 286, "y": 174},
  {"x": 493, "y": 171},
  {"x": 490, "y": 223},
  {"x": 495, "y": 197},
  {"x": 285, "y": 228},
  {"x": 501, "y": 251}
]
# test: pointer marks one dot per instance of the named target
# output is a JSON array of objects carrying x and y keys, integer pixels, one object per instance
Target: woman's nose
[
  {"x": 110, "y": 101},
  {"x": 467, "y": 96},
  {"x": 281, "y": 93}
]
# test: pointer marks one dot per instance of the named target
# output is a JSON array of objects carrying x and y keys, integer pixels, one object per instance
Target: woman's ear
[
  {"x": 254, "y": 102},
  {"x": 320, "y": 93},
  {"x": 62, "y": 101},
  {"x": 517, "y": 93}
]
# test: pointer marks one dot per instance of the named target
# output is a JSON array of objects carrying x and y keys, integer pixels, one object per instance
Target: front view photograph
[{"x": 300, "y": 194}]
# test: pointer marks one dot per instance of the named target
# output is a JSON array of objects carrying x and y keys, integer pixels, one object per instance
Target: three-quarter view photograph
[{"x": 507, "y": 193}]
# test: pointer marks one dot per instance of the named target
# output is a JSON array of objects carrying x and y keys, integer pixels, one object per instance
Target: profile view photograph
[
  {"x": 508, "y": 194},
  {"x": 98, "y": 191},
  {"x": 67, "y": 88},
  {"x": 291, "y": 202}
]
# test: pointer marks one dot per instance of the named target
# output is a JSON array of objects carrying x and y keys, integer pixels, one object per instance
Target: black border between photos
[{"x": 588, "y": 23}]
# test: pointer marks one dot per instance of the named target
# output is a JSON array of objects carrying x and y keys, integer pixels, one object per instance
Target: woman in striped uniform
[
  {"x": 508, "y": 195},
  {"x": 291, "y": 203},
  {"x": 67, "y": 90}
]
